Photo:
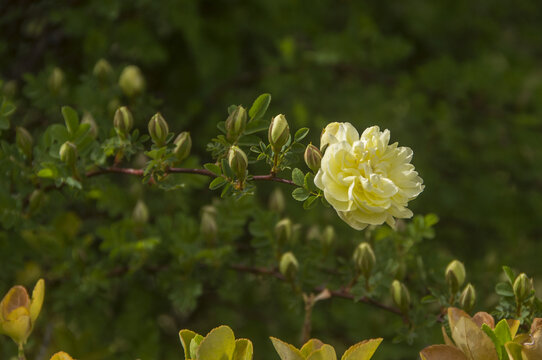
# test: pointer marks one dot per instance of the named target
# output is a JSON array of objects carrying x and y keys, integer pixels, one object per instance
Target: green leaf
[
  {"x": 256, "y": 126},
  {"x": 285, "y": 350},
  {"x": 71, "y": 119},
  {"x": 298, "y": 177},
  {"x": 186, "y": 336},
  {"x": 243, "y": 350},
  {"x": 259, "y": 107},
  {"x": 428, "y": 299},
  {"x": 215, "y": 169},
  {"x": 48, "y": 173},
  {"x": 504, "y": 289},
  {"x": 326, "y": 352},
  {"x": 308, "y": 182},
  {"x": 498, "y": 346},
  {"x": 509, "y": 274},
  {"x": 300, "y": 134},
  {"x": 362, "y": 351},
  {"x": 221, "y": 125},
  {"x": 226, "y": 169},
  {"x": 310, "y": 202},
  {"x": 217, "y": 345},
  {"x": 217, "y": 183},
  {"x": 310, "y": 346},
  {"x": 300, "y": 194}
]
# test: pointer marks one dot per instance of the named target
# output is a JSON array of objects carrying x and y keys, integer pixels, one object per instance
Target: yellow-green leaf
[
  {"x": 326, "y": 352},
  {"x": 285, "y": 350},
  {"x": 310, "y": 346},
  {"x": 362, "y": 351},
  {"x": 442, "y": 352},
  {"x": 186, "y": 336},
  {"x": 514, "y": 350},
  {"x": 243, "y": 350},
  {"x": 219, "y": 344}
]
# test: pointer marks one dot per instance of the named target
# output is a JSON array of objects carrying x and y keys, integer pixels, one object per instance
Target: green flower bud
[
  {"x": 522, "y": 287},
  {"x": 140, "y": 215},
  {"x": 36, "y": 200},
  {"x": 236, "y": 123},
  {"x": 279, "y": 133},
  {"x": 158, "y": 129},
  {"x": 400, "y": 295},
  {"x": 183, "y": 145},
  {"x": 89, "y": 119},
  {"x": 277, "y": 203},
  {"x": 455, "y": 275},
  {"x": 364, "y": 259},
  {"x": 56, "y": 80},
  {"x": 328, "y": 236},
  {"x": 68, "y": 153},
  {"x": 123, "y": 121},
  {"x": 208, "y": 226},
  {"x": 237, "y": 159},
  {"x": 131, "y": 81},
  {"x": 467, "y": 298},
  {"x": 194, "y": 344},
  {"x": 102, "y": 70},
  {"x": 313, "y": 157},
  {"x": 288, "y": 265},
  {"x": 284, "y": 232},
  {"x": 24, "y": 141}
]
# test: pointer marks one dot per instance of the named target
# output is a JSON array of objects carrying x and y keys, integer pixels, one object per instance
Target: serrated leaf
[
  {"x": 285, "y": 350},
  {"x": 259, "y": 107},
  {"x": 71, "y": 119},
  {"x": 362, "y": 351},
  {"x": 300, "y": 134},
  {"x": 298, "y": 177},
  {"x": 217, "y": 183},
  {"x": 300, "y": 194},
  {"x": 217, "y": 345},
  {"x": 215, "y": 169},
  {"x": 310, "y": 202}
]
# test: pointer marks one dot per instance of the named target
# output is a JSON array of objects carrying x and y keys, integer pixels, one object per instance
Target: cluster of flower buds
[
  {"x": 455, "y": 276},
  {"x": 236, "y": 123},
  {"x": 288, "y": 265},
  {"x": 364, "y": 259},
  {"x": 400, "y": 295},
  {"x": 279, "y": 133}
]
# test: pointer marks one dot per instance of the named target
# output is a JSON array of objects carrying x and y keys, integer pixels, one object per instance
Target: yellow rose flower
[{"x": 367, "y": 180}]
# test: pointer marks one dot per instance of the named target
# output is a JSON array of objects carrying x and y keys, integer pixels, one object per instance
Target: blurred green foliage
[{"x": 458, "y": 81}]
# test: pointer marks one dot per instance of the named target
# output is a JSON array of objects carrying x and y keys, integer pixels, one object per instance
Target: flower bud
[
  {"x": 328, "y": 236},
  {"x": 24, "y": 141},
  {"x": 61, "y": 356},
  {"x": 68, "y": 153},
  {"x": 288, "y": 265},
  {"x": 277, "y": 203},
  {"x": 522, "y": 287},
  {"x": 313, "y": 157},
  {"x": 284, "y": 232},
  {"x": 400, "y": 295},
  {"x": 56, "y": 80},
  {"x": 183, "y": 145},
  {"x": 237, "y": 159},
  {"x": 455, "y": 275},
  {"x": 123, "y": 121},
  {"x": 364, "y": 259},
  {"x": 208, "y": 226},
  {"x": 102, "y": 70},
  {"x": 236, "y": 123},
  {"x": 131, "y": 81},
  {"x": 89, "y": 119},
  {"x": 10, "y": 88},
  {"x": 36, "y": 200},
  {"x": 467, "y": 298},
  {"x": 279, "y": 133},
  {"x": 158, "y": 129},
  {"x": 140, "y": 215}
]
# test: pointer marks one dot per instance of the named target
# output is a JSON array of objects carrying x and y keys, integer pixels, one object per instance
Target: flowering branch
[{"x": 204, "y": 172}]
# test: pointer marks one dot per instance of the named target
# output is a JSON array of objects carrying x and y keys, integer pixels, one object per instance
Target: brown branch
[
  {"x": 204, "y": 172},
  {"x": 342, "y": 293}
]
